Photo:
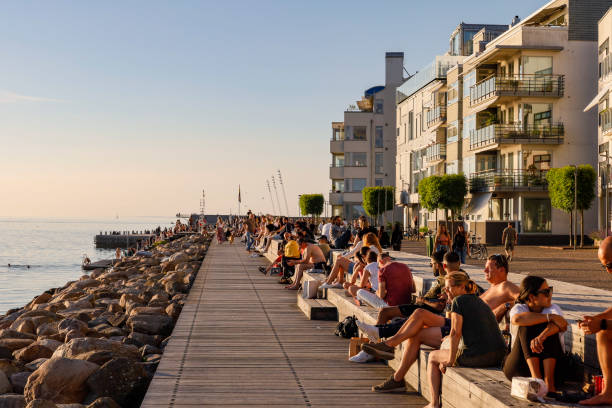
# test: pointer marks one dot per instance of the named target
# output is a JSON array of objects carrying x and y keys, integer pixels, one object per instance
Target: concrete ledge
[{"x": 317, "y": 309}]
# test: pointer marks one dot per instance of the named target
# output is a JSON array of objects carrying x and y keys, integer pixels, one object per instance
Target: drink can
[{"x": 598, "y": 384}]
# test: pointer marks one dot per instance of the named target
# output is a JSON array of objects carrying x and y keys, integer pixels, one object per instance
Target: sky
[{"x": 133, "y": 108}]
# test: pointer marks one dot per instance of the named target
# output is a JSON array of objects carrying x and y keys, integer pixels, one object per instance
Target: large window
[
  {"x": 468, "y": 43},
  {"x": 338, "y": 160},
  {"x": 536, "y": 114},
  {"x": 338, "y": 134},
  {"x": 469, "y": 125},
  {"x": 356, "y": 159},
  {"x": 379, "y": 136},
  {"x": 453, "y": 92},
  {"x": 452, "y": 132},
  {"x": 355, "y": 185},
  {"x": 378, "y": 182},
  {"x": 456, "y": 44},
  {"x": 410, "y": 125},
  {"x": 468, "y": 80},
  {"x": 536, "y": 215},
  {"x": 501, "y": 209},
  {"x": 378, "y": 106},
  {"x": 536, "y": 65},
  {"x": 379, "y": 167},
  {"x": 356, "y": 132},
  {"x": 338, "y": 186}
]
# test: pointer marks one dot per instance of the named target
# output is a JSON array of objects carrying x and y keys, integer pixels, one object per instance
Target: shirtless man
[
  {"x": 502, "y": 294},
  {"x": 312, "y": 257},
  {"x": 601, "y": 325}
]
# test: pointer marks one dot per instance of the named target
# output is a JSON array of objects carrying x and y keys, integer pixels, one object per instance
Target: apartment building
[
  {"x": 429, "y": 118},
  {"x": 363, "y": 146},
  {"x": 522, "y": 115},
  {"x": 602, "y": 101}
]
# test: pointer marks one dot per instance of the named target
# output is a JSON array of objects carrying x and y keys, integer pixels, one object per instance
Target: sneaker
[
  {"x": 362, "y": 357},
  {"x": 390, "y": 385},
  {"x": 369, "y": 330},
  {"x": 254, "y": 255},
  {"x": 380, "y": 350},
  {"x": 331, "y": 286},
  {"x": 262, "y": 269}
]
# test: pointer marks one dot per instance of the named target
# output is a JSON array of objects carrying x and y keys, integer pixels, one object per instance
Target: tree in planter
[
  {"x": 311, "y": 204},
  {"x": 452, "y": 197},
  {"x": 561, "y": 191},
  {"x": 377, "y": 200},
  {"x": 430, "y": 194}
]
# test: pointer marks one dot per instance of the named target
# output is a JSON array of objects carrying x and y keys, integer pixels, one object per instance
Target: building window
[
  {"x": 378, "y": 106},
  {"x": 455, "y": 44},
  {"x": 337, "y": 211},
  {"x": 469, "y": 125},
  {"x": 355, "y": 185},
  {"x": 452, "y": 132},
  {"x": 536, "y": 65},
  {"x": 356, "y": 159},
  {"x": 501, "y": 209},
  {"x": 379, "y": 136},
  {"x": 379, "y": 167},
  {"x": 338, "y": 160},
  {"x": 338, "y": 186},
  {"x": 356, "y": 132},
  {"x": 536, "y": 215},
  {"x": 410, "y": 125},
  {"x": 378, "y": 182},
  {"x": 356, "y": 211},
  {"x": 468, "y": 80},
  {"x": 453, "y": 92}
]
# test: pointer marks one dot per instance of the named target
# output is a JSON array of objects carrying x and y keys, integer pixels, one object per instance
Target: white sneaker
[
  {"x": 331, "y": 286},
  {"x": 369, "y": 330},
  {"x": 254, "y": 255},
  {"x": 361, "y": 357}
]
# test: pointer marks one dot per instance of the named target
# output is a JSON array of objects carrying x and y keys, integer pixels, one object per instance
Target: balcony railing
[
  {"x": 348, "y": 165},
  {"x": 516, "y": 134},
  {"x": 435, "y": 115},
  {"x": 605, "y": 120},
  {"x": 508, "y": 180},
  {"x": 435, "y": 152},
  {"x": 605, "y": 66},
  {"x": 517, "y": 85}
]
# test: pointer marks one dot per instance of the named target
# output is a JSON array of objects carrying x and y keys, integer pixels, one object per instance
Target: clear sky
[{"x": 133, "y": 108}]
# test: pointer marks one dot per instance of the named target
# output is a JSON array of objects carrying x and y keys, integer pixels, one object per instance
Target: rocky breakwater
[{"x": 96, "y": 342}]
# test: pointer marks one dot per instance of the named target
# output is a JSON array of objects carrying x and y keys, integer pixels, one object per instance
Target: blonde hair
[
  {"x": 461, "y": 279},
  {"x": 370, "y": 239}
]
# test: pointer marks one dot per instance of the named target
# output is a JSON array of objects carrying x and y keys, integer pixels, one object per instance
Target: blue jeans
[
  {"x": 249, "y": 240},
  {"x": 442, "y": 247},
  {"x": 462, "y": 253}
]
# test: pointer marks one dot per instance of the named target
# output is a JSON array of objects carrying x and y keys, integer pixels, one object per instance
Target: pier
[
  {"x": 242, "y": 341},
  {"x": 119, "y": 240}
]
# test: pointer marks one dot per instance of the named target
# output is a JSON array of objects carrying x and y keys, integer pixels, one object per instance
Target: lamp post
[{"x": 575, "y": 202}]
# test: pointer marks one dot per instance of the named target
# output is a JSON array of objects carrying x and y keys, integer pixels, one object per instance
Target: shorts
[
  {"x": 509, "y": 246},
  {"x": 490, "y": 359},
  {"x": 446, "y": 328},
  {"x": 350, "y": 268}
]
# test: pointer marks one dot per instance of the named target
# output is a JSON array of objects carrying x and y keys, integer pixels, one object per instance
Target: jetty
[
  {"x": 119, "y": 240},
  {"x": 242, "y": 341}
]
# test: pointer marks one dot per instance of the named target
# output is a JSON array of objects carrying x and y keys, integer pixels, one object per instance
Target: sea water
[{"x": 53, "y": 248}]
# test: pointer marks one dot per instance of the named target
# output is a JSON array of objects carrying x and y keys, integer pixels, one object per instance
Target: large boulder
[
  {"x": 5, "y": 384},
  {"x": 121, "y": 379},
  {"x": 96, "y": 357},
  {"x": 72, "y": 325},
  {"x": 61, "y": 380},
  {"x": 15, "y": 344},
  {"x": 11, "y": 367},
  {"x": 12, "y": 401},
  {"x": 14, "y": 334},
  {"x": 32, "y": 352},
  {"x": 151, "y": 324},
  {"x": 41, "y": 403},
  {"x": 83, "y": 345},
  {"x": 33, "y": 365}
]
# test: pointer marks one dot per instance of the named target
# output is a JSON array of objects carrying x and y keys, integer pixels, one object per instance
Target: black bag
[{"x": 347, "y": 328}]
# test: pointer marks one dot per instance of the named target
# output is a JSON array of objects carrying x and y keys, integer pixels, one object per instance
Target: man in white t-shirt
[{"x": 326, "y": 230}]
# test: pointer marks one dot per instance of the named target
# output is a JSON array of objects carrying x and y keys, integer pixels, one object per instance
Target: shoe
[
  {"x": 380, "y": 350},
  {"x": 369, "y": 330},
  {"x": 262, "y": 269},
  {"x": 331, "y": 286},
  {"x": 254, "y": 255},
  {"x": 362, "y": 357},
  {"x": 284, "y": 281},
  {"x": 390, "y": 385}
]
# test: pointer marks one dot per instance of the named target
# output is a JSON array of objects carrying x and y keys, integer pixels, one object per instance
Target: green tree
[
  {"x": 430, "y": 194},
  {"x": 561, "y": 184},
  {"x": 311, "y": 204},
  {"x": 377, "y": 200},
  {"x": 453, "y": 188}
]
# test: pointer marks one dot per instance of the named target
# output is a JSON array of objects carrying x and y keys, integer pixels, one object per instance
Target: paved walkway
[{"x": 242, "y": 341}]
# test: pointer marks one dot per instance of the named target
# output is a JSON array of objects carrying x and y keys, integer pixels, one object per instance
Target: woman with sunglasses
[{"x": 539, "y": 341}]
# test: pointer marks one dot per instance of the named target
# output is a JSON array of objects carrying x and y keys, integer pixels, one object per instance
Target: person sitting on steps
[{"x": 312, "y": 258}]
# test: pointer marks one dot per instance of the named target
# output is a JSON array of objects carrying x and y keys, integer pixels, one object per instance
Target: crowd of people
[{"x": 458, "y": 318}]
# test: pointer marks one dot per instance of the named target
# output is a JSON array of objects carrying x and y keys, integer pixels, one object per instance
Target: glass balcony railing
[
  {"x": 516, "y": 134},
  {"x": 517, "y": 85},
  {"x": 508, "y": 180},
  {"x": 435, "y": 152},
  {"x": 436, "y": 115}
]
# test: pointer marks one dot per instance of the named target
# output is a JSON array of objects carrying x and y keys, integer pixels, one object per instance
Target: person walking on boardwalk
[
  {"x": 509, "y": 239},
  {"x": 250, "y": 226},
  {"x": 220, "y": 226},
  {"x": 601, "y": 326}
]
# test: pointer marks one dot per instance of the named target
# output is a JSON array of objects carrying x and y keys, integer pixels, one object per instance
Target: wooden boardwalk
[{"x": 242, "y": 341}]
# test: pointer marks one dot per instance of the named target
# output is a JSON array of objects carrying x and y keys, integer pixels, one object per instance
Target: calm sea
[{"x": 53, "y": 248}]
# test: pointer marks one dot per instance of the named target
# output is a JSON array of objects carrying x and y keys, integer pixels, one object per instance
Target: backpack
[{"x": 347, "y": 328}]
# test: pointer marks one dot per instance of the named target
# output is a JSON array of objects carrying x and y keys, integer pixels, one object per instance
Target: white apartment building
[{"x": 363, "y": 146}]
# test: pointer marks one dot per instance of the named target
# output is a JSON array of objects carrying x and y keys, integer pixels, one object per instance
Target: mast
[{"x": 280, "y": 178}]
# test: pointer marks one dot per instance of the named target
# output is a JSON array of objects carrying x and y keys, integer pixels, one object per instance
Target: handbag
[{"x": 347, "y": 328}]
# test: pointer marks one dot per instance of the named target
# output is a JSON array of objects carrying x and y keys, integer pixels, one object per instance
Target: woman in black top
[
  {"x": 460, "y": 243},
  {"x": 383, "y": 237},
  {"x": 396, "y": 237}
]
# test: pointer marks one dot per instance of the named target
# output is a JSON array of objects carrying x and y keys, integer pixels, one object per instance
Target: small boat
[{"x": 89, "y": 266}]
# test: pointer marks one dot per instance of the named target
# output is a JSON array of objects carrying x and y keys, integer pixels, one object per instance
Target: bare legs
[
  {"x": 341, "y": 266},
  {"x": 604, "y": 352},
  {"x": 435, "y": 375},
  {"x": 419, "y": 319},
  {"x": 299, "y": 271},
  {"x": 388, "y": 313},
  {"x": 431, "y": 336}
]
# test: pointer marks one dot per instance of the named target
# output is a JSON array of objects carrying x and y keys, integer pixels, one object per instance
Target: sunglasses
[
  {"x": 546, "y": 292},
  {"x": 607, "y": 266}
]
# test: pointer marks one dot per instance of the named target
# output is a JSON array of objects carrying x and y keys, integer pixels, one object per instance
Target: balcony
[
  {"x": 336, "y": 171},
  {"x": 605, "y": 66},
  {"x": 336, "y": 146},
  {"x": 336, "y": 197},
  {"x": 516, "y": 134},
  {"x": 508, "y": 180},
  {"x": 436, "y": 115},
  {"x": 435, "y": 153},
  {"x": 605, "y": 121},
  {"x": 551, "y": 86}
]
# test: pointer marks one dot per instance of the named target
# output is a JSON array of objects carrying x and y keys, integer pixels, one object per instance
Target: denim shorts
[
  {"x": 351, "y": 267},
  {"x": 446, "y": 328}
]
